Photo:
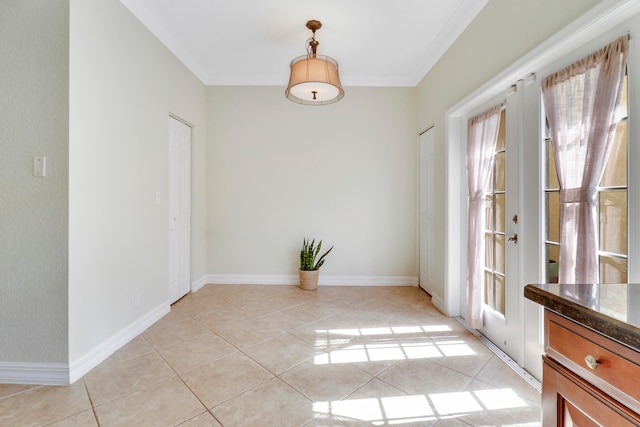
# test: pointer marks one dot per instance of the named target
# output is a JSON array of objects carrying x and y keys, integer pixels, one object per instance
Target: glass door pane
[{"x": 494, "y": 295}]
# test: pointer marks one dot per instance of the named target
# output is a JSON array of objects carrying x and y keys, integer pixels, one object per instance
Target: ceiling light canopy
[{"x": 314, "y": 78}]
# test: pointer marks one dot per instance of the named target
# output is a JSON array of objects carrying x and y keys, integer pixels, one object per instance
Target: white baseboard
[
  {"x": 368, "y": 281},
  {"x": 195, "y": 286},
  {"x": 276, "y": 279},
  {"x": 96, "y": 356},
  {"x": 438, "y": 303},
  {"x": 34, "y": 373},
  {"x": 65, "y": 374}
]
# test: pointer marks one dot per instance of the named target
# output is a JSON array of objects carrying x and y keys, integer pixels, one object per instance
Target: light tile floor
[{"x": 279, "y": 356}]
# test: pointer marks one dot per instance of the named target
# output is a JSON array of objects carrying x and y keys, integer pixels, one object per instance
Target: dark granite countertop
[{"x": 612, "y": 310}]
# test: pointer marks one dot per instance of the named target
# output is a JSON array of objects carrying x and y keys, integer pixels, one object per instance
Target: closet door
[
  {"x": 427, "y": 183},
  {"x": 179, "y": 209}
]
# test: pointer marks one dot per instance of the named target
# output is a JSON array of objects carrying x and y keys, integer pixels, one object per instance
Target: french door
[{"x": 502, "y": 288}]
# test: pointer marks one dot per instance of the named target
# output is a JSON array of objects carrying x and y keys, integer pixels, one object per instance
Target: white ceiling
[{"x": 252, "y": 42}]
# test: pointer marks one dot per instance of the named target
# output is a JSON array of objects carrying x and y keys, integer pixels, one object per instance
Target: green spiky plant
[{"x": 309, "y": 253}]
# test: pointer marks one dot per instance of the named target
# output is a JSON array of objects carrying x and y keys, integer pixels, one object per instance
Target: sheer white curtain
[
  {"x": 481, "y": 146},
  {"x": 581, "y": 101}
]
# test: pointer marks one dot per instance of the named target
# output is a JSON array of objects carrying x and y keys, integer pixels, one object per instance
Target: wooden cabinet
[
  {"x": 568, "y": 400},
  {"x": 588, "y": 379}
]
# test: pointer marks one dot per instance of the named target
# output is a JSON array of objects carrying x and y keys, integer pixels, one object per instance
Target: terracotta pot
[{"x": 309, "y": 279}]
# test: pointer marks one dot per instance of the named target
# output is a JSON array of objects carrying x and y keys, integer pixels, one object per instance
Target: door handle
[{"x": 513, "y": 239}]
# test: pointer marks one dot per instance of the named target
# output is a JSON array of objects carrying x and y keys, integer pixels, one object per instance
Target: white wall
[
  {"x": 33, "y": 227},
  {"x": 124, "y": 84},
  {"x": 344, "y": 173},
  {"x": 503, "y": 32}
]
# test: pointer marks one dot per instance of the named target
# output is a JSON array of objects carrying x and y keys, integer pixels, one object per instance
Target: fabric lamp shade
[{"x": 314, "y": 80}]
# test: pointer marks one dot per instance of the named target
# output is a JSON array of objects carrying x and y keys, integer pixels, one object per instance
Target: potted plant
[{"x": 310, "y": 264}]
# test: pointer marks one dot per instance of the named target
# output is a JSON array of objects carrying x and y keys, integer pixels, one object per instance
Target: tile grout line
[
  {"x": 17, "y": 393},
  {"x": 179, "y": 376},
  {"x": 238, "y": 350},
  {"x": 93, "y": 408}
]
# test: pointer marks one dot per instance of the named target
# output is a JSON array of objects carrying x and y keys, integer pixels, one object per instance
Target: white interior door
[
  {"x": 426, "y": 188},
  {"x": 179, "y": 209}
]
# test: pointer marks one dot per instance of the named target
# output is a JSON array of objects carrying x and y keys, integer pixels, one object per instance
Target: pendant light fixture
[{"x": 314, "y": 78}]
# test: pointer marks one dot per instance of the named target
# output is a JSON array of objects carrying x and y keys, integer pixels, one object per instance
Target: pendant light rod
[{"x": 314, "y": 26}]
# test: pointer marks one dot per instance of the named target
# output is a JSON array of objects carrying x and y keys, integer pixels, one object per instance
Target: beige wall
[
  {"x": 34, "y": 82},
  {"x": 279, "y": 172},
  {"x": 504, "y": 31},
  {"x": 124, "y": 84}
]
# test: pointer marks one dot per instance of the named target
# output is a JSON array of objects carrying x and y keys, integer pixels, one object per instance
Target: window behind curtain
[{"x": 612, "y": 207}]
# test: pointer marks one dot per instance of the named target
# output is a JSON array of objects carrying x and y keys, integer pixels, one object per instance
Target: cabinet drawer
[
  {"x": 618, "y": 369},
  {"x": 568, "y": 400}
]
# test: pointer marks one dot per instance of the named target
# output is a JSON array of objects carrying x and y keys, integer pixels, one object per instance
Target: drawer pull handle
[{"x": 591, "y": 361}]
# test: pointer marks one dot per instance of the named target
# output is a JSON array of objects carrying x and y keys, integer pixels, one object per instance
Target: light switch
[
  {"x": 39, "y": 166},
  {"x": 158, "y": 198}
]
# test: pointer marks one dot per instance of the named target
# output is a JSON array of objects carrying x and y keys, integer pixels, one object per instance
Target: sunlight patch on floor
[
  {"x": 392, "y": 330},
  {"x": 503, "y": 398},
  {"x": 398, "y": 410},
  {"x": 391, "y": 346},
  {"x": 337, "y": 337},
  {"x": 455, "y": 403},
  {"x": 393, "y": 351}
]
